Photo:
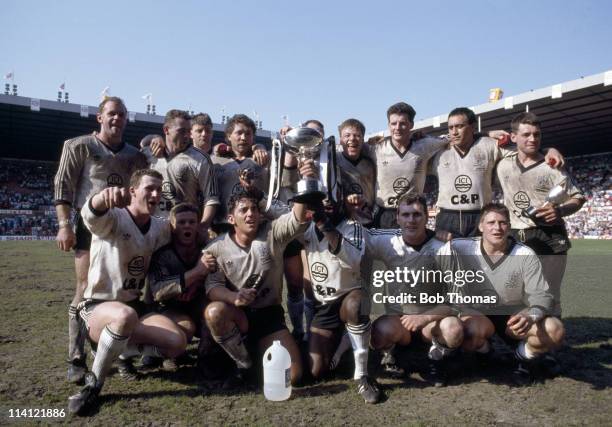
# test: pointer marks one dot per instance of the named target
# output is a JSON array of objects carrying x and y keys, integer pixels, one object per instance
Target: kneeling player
[
  {"x": 513, "y": 293},
  {"x": 246, "y": 290},
  {"x": 122, "y": 245},
  {"x": 413, "y": 247},
  {"x": 176, "y": 277},
  {"x": 334, "y": 248}
]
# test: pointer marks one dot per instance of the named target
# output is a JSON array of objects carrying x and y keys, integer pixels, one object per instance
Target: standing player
[
  {"x": 513, "y": 289},
  {"x": 414, "y": 247},
  {"x": 89, "y": 164},
  {"x": 202, "y": 132},
  {"x": 526, "y": 180},
  {"x": 465, "y": 174},
  {"x": 187, "y": 171},
  {"x": 334, "y": 249},
  {"x": 122, "y": 244},
  {"x": 246, "y": 291}
]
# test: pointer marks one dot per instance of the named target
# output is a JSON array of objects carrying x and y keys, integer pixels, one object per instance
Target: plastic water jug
[{"x": 277, "y": 372}]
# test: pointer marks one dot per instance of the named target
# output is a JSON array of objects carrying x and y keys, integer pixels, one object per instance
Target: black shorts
[
  {"x": 458, "y": 223},
  {"x": 83, "y": 235},
  {"x": 545, "y": 240},
  {"x": 327, "y": 316},
  {"x": 500, "y": 323},
  {"x": 86, "y": 307},
  {"x": 264, "y": 321},
  {"x": 293, "y": 249}
]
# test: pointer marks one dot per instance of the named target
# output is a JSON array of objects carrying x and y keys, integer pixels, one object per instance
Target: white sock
[
  {"x": 295, "y": 307},
  {"x": 233, "y": 345},
  {"x": 359, "y": 336},
  {"x": 110, "y": 346},
  {"x": 524, "y": 352},
  {"x": 343, "y": 346}
]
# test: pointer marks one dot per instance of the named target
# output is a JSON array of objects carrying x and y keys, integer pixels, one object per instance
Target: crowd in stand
[{"x": 26, "y": 185}]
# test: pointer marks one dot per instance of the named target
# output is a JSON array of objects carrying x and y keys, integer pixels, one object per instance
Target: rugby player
[
  {"x": 188, "y": 172},
  {"x": 334, "y": 248},
  {"x": 513, "y": 293},
  {"x": 202, "y": 132},
  {"x": 125, "y": 235},
  {"x": 465, "y": 175},
  {"x": 89, "y": 164},
  {"x": 414, "y": 247},
  {"x": 526, "y": 180},
  {"x": 246, "y": 290},
  {"x": 175, "y": 282}
]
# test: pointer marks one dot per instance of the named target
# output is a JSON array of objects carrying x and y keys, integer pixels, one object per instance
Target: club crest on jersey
[
  {"x": 400, "y": 185},
  {"x": 319, "y": 272},
  {"x": 513, "y": 281},
  {"x": 126, "y": 236},
  {"x": 463, "y": 183},
  {"x": 521, "y": 200},
  {"x": 168, "y": 190},
  {"x": 543, "y": 184},
  {"x": 114, "y": 180},
  {"x": 263, "y": 253},
  {"x": 136, "y": 266},
  {"x": 479, "y": 160},
  {"x": 183, "y": 174}
]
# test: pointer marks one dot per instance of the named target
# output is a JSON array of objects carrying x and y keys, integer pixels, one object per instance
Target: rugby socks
[
  {"x": 308, "y": 314},
  {"x": 295, "y": 306},
  {"x": 359, "y": 336},
  {"x": 437, "y": 351},
  {"x": 76, "y": 336},
  {"x": 343, "y": 346},
  {"x": 233, "y": 345},
  {"x": 524, "y": 352},
  {"x": 110, "y": 346}
]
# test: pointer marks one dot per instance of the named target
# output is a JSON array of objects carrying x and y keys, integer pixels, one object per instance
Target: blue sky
[{"x": 329, "y": 60}]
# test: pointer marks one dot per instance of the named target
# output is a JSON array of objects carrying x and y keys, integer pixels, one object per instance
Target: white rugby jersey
[
  {"x": 399, "y": 173},
  {"x": 359, "y": 177},
  {"x": 88, "y": 166},
  {"x": 227, "y": 172},
  {"x": 529, "y": 186},
  {"x": 120, "y": 253},
  {"x": 389, "y": 247},
  {"x": 334, "y": 274},
  {"x": 260, "y": 266},
  {"x": 516, "y": 279},
  {"x": 188, "y": 177},
  {"x": 465, "y": 181}
]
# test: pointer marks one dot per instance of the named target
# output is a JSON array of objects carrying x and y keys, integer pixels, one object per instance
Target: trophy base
[{"x": 309, "y": 198}]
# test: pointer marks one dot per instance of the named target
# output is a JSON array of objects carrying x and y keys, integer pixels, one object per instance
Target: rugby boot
[
  {"x": 77, "y": 368},
  {"x": 368, "y": 389},
  {"x": 126, "y": 369},
  {"x": 85, "y": 400}
]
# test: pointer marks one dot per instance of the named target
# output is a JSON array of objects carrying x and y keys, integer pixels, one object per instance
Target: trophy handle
[
  {"x": 276, "y": 171},
  {"x": 331, "y": 178}
]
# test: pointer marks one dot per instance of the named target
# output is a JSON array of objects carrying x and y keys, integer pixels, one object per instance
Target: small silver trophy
[
  {"x": 306, "y": 144},
  {"x": 556, "y": 196}
]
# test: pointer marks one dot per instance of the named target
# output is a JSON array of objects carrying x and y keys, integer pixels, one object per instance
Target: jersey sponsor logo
[
  {"x": 168, "y": 190},
  {"x": 465, "y": 199},
  {"x": 521, "y": 200},
  {"x": 319, "y": 272},
  {"x": 463, "y": 183},
  {"x": 136, "y": 266},
  {"x": 114, "y": 180},
  {"x": 400, "y": 186}
]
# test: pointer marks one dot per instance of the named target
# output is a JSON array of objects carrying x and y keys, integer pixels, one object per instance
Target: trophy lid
[{"x": 303, "y": 137}]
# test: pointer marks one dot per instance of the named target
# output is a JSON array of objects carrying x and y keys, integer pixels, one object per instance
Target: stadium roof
[
  {"x": 35, "y": 129},
  {"x": 576, "y": 115}
]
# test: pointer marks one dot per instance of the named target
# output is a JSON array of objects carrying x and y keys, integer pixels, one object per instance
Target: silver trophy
[
  {"x": 556, "y": 196},
  {"x": 306, "y": 144}
]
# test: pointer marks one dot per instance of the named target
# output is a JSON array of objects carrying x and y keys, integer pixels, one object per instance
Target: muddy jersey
[
  {"x": 529, "y": 186},
  {"x": 389, "y": 247},
  {"x": 88, "y": 166},
  {"x": 359, "y": 177},
  {"x": 188, "y": 177},
  {"x": 465, "y": 180},
  {"x": 333, "y": 274},
  {"x": 120, "y": 253},
  {"x": 259, "y": 266},
  {"x": 227, "y": 172},
  {"x": 515, "y": 280},
  {"x": 399, "y": 173}
]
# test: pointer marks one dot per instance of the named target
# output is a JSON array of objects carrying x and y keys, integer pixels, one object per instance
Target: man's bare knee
[{"x": 452, "y": 331}]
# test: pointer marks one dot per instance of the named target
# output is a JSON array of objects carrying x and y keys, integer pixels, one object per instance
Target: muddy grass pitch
[{"x": 36, "y": 285}]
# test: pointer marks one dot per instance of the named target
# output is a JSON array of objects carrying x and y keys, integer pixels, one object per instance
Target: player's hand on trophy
[
  {"x": 519, "y": 324},
  {"x": 283, "y": 131},
  {"x": 66, "y": 239},
  {"x": 308, "y": 169},
  {"x": 548, "y": 213},
  {"x": 245, "y": 296},
  {"x": 554, "y": 158}
]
